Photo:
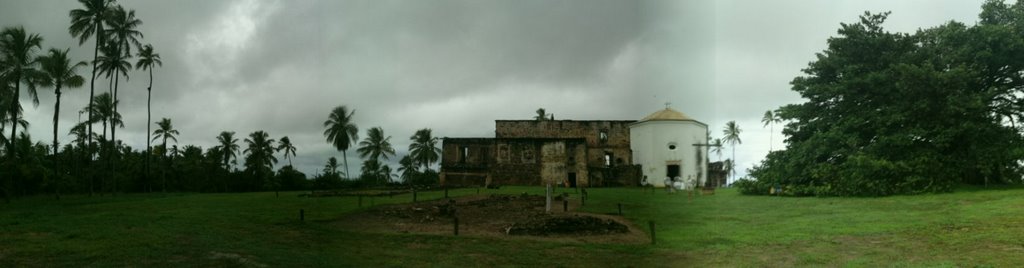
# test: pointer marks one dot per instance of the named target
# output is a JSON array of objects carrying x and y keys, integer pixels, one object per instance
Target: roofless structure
[{"x": 579, "y": 152}]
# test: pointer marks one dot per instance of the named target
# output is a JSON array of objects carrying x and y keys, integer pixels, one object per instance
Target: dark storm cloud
[{"x": 455, "y": 66}]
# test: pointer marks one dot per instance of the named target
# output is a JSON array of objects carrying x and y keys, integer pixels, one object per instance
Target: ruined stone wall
[
  {"x": 466, "y": 161},
  {"x": 516, "y": 162},
  {"x": 601, "y": 137}
]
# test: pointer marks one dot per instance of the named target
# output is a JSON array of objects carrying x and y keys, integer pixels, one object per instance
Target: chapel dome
[{"x": 667, "y": 115}]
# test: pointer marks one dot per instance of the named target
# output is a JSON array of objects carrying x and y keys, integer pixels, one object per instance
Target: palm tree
[
  {"x": 260, "y": 155},
  {"x": 385, "y": 172},
  {"x": 84, "y": 24},
  {"x": 122, "y": 33},
  {"x": 732, "y": 136},
  {"x": 228, "y": 147},
  {"x": 770, "y": 119},
  {"x": 407, "y": 167},
  {"x": 165, "y": 131},
  {"x": 113, "y": 64},
  {"x": 123, "y": 26},
  {"x": 716, "y": 147},
  {"x": 729, "y": 166},
  {"x": 375, "y": 145},
  {"x": 541, "y": 115},
  {"x": 102, "y": 109},
  {"x": 341, "y": 132},
  {"x": 58, "y": 72},
  {"x": 286, "y": 145},
  {"x": 424, "y": 148},
  {"x": 332, "y": 166},
  {"x": 147, "y": 60},
  {"x": 18, "y": 49},
  {"x": 371, "y": 169}
]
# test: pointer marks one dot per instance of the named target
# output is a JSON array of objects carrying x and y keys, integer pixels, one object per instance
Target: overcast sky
[{"x": 456, "y": 66}]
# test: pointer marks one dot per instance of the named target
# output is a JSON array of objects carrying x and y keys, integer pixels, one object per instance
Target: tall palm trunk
[
  {"x": 113, "y": 136},
  {"x": 163, "y": 173},
  {"x": 344, "y": 155},
  {"x": 149, "y": 119},
  {"x": 14, "y": 117},
  {"x": 733, "y": 169},
  {"x": 103, "y": 182},
  {"x": 56, "y": 161},
  {"x": 92, "y": 94}
]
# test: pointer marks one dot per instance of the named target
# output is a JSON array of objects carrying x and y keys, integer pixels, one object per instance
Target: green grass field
[{"x": 968, "y": 228}]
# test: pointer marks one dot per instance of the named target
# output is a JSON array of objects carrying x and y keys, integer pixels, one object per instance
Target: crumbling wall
[
  {"x": 466, "y": 161},
  {"x": 553, "y": 161},
  {"x": 516, "y": 162},
  {"x": 601, "y": 137}
]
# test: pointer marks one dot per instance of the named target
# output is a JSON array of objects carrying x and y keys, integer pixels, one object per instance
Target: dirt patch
[
  {"x": 505, "y": 216},
  {"x": 234, "y": 259}
]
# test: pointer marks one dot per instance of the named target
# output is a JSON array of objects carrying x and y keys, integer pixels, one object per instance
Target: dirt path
[{"x": 502, "y": 216}]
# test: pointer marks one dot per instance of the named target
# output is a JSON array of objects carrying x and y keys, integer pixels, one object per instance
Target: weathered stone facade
[{"x": 528, "y": 152}]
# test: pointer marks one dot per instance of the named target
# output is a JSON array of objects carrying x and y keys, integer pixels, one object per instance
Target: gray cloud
[{"x": 455, "y": 66}]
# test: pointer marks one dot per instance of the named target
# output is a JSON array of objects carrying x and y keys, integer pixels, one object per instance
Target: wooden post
[
  {"x": 651, "y": 223},
  {"x": 620, "y": 209},
  {"x": 456, "y": 221},
  {"x": 302, "y": 214},
  {"x": 565, "y": 205},
  {"x": 547, "y": 200}
]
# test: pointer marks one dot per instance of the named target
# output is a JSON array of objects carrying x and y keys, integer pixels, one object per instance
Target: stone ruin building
[{"x": 587, "y": 153}]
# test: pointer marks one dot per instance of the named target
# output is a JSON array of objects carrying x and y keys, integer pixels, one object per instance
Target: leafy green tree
[
  {"x": 260, "y": 158},
  {"x": 424, "y": 148},
  {"x": 18, "y": 52},
  {"x": 341, "y": 132},
  {"x": 894, "y": 113},
  {"x": 165, "y": 130},
  {"x": 731, "y": 135},
  {"x": 769, "y": 120},
  {"x": 147, "y": 60},
  {"x": 86, "y": 22},
  {"x": 286, "y": 145}
]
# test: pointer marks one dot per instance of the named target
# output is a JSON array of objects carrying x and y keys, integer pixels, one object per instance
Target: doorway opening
[{"x": 672, "y": 171}]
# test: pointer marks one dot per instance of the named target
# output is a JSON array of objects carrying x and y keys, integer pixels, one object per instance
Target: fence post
[
  {"x": 651, "y": 223},
  {"x": 456, "y": 221}
]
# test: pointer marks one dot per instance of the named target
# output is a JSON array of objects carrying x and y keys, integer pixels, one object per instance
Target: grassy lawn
[{"x": 967, "y": 228}]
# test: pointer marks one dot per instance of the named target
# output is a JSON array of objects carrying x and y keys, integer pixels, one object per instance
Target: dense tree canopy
[{"x": 893, "y": 113}]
